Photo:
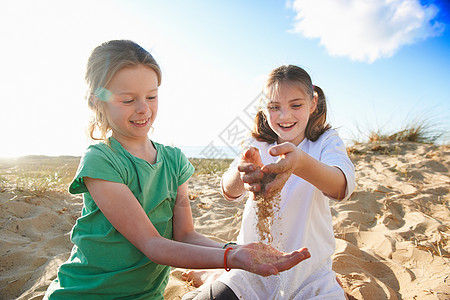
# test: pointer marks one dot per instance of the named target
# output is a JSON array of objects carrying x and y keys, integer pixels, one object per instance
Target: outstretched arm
[
  {"x": 329, "y": 179},
  {"x": 122, "y": 209}
]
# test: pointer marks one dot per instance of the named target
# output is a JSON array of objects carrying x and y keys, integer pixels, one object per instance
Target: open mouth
[
  {"x": 140, "y": 122},
  {"x": 287, "y": 125}
]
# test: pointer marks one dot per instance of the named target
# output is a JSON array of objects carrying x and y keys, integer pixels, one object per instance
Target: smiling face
[
  {"x": 288, "y": 112},
  {"x": 133, "y": 106}
]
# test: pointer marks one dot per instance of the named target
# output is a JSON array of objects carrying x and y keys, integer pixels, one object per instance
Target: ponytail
[{"x": 317, "y": 123}]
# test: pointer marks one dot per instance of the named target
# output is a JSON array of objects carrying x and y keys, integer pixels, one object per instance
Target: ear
[
  {"x": 314, "y": 103},
  {"x": 91, "y": 100}
]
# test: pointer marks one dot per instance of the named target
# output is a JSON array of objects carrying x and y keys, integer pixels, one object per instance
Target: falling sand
[{"x": 267, "y": 205}]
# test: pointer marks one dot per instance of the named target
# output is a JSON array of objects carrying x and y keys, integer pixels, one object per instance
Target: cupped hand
[
  {"x": 289, "y": 159},
  {"x": 250, "y": 169},
  {"x": 265, "y": 260}
]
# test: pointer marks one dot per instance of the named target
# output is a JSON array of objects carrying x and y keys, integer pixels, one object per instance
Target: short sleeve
[
  {"x": 100, "y": 164},
  {"x": 334, "y": 153},
  {"x": 186, "y": 169}
]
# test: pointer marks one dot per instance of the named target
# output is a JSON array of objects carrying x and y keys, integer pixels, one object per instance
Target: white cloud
[{"x": 365, "y": 30}]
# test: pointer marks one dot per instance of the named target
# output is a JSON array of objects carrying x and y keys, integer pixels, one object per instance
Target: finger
[
  {"x": 265, "y": 270},
  {"x": 291, "y": 260},
  {"x": 186, "y": 276},
  {"x": 249, "y": 152},
  {"x": 255, "y": 187},
  {"x": 252, "y": 177},
  {"x": 277, "y": 184},
  {"x": 246, "y": 167},
  {"x": 278, "y": 167},
  {"x": 280, "y": 149},
  {"x": 252, "y": 155}
]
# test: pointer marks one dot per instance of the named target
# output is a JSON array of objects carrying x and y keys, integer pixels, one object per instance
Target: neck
[{"x": 141, "y": 148}]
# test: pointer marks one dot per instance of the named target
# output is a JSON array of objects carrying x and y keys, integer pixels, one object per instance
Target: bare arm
[
  {"x": 232, "y": 185},
  {"x": 329, "y": 179},
  {"x": 246, "y": 176},
  {"x": 122, "y": 209}
]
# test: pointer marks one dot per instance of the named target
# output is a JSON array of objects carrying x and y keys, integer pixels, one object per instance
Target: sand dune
[{"x": 392, "y": 234}]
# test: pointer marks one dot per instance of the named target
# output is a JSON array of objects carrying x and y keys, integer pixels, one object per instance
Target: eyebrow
[
  {"x": 292, "y": 100},
  {"x": 130, "y": 93}
]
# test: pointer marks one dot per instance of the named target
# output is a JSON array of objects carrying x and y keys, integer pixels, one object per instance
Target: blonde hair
[
  {"x": 104, "y": 62},
  {"x": 297, "y": 76}
]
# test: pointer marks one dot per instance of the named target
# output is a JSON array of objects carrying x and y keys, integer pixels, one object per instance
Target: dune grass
[
  {"x": 420, "y": 131},
  {"x": 37, "y": 175},
  {"x": 425, "y": 127},
  {"x": 210, "y": 165}
]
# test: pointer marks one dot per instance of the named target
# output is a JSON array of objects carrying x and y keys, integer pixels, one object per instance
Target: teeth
[
  {"x": 140, "y": 122},
  {"x": 286, "y": 125}
]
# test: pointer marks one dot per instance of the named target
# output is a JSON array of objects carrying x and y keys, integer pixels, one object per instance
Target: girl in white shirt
[{"x": 292, "y": 139}]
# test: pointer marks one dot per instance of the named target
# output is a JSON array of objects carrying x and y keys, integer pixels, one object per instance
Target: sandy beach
[{"x": 392, "y": 234}]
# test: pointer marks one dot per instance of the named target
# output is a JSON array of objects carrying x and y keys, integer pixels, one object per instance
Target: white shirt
[{"x": 303, "y": 220}]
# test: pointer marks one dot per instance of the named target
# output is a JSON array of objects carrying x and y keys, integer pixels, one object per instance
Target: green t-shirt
[{"x": 103, "y": 263}]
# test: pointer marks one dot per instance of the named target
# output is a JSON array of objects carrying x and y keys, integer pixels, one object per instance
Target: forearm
[
  {"x": 232, "y": 184},
  {"x": 329, "y": 179},
  {"x": 198, "y": 239},
  {"x": 177, "y": 254},
  {"x": 257, "y": 258}
]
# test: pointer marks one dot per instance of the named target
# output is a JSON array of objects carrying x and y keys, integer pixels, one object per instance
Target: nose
[
  {"x": 141, "y": 106},
  {"x": 284, "y": 112}
]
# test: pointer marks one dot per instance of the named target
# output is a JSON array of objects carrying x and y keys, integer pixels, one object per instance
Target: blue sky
[{"x": 380, "y": 63}]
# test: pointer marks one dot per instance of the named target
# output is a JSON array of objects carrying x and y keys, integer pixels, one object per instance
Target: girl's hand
[
  {"x": 250, "y": 169},
  {"x": 289, "y": 159},
  {"x": 263, "y": 259}
]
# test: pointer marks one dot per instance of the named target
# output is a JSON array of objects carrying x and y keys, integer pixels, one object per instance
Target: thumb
[
  {"x": 252, "y": 155},
  {"x": 281, "y": 149}
]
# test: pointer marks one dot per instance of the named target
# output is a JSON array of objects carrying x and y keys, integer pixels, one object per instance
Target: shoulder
[
  {"x": 97, "y": 151},
  {"x": 169, "y": 153},
  {"x": 102, "y": 162},
  {"x": 172, "y": 155},
  {"x": 175, "y": 161},
  {"x": 328, "y": 142},
  {"x": 103, "y": 153},
  {"x": 331, "y": 136}
]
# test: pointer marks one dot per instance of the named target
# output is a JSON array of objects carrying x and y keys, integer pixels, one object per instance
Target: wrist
[
  {"x": 299, "y": 166},
  {"x": 229, "y": 244},
  {"x": 227, "y": 259},
  {"x": 227, "y": 195}
]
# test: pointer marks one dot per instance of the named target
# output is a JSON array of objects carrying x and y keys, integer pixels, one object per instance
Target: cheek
[
  {"x": 113, "y": 114},
  {"x": 154, "y": 110},
  {"x": 268, "y": 115},
  {"x": 303, "y": 114},
  {"x": 272, "y": 119}
]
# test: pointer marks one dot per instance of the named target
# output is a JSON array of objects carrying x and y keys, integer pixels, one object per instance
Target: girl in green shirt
[{"x": 136, "y": 220}]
